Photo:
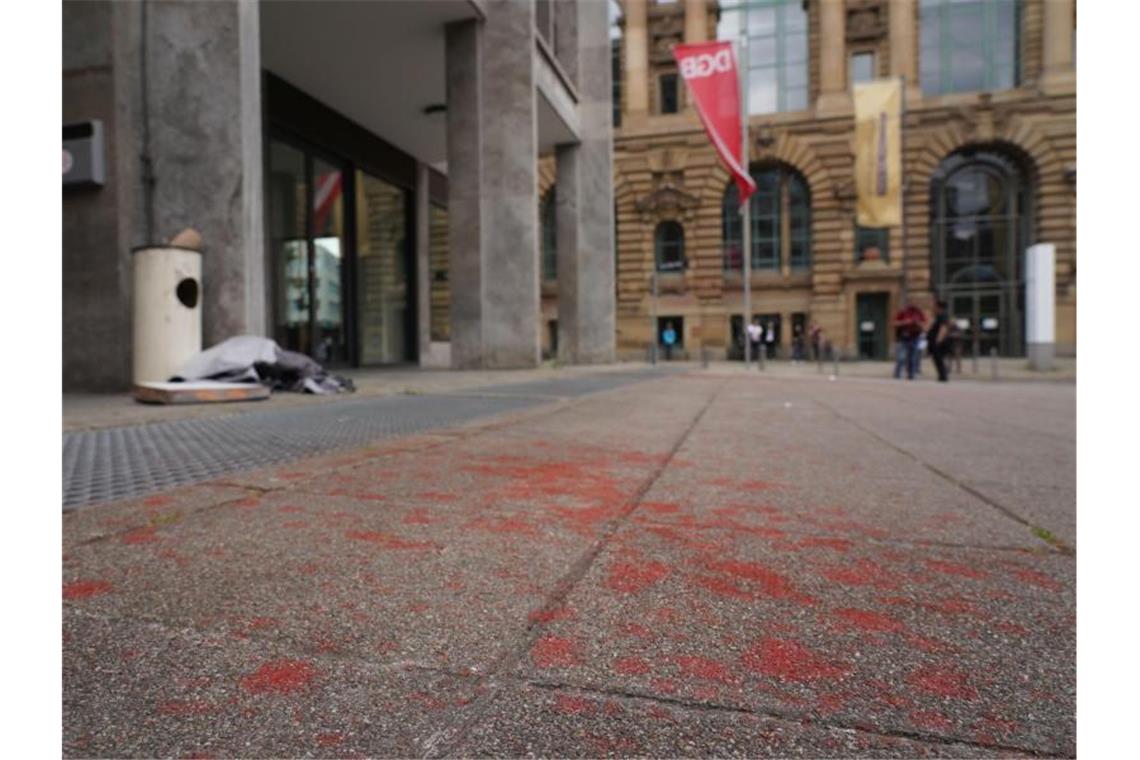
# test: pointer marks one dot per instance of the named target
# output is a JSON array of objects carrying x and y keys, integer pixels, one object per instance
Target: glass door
[
  {"x": 384, "y": 319},
  {"x": 306, "y": 209}
]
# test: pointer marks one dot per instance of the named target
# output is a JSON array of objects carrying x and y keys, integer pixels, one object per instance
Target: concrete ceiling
[{"x": 378, "y": 63}]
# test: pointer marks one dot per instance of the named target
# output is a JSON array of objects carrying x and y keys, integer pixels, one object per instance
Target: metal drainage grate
[{"x": 121, "y": 463}]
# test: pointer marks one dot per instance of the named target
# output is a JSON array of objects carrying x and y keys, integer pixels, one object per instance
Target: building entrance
[
  {"x": 871, "y": 324},
  {"x": 339, "y": 255}
]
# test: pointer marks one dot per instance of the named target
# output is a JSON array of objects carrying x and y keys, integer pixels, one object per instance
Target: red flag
[{"x": 709, "y": 68}]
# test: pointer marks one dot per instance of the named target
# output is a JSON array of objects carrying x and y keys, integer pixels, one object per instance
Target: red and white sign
[{"x": 710, "y": 71}]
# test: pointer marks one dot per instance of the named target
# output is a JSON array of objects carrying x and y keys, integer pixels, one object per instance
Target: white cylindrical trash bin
[{"x": 167, "y": 310}]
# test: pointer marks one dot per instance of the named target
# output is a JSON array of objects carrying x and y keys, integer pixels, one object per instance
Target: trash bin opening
[{"x": 187, "y": 292}]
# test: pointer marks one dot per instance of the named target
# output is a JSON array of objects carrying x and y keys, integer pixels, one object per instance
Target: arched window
[
  {"x": 669, "y": 246},
  {"x": 968, "y": 46},
  {"x": 980, "y": 226},
  {"x": 781, "y": 221},
  {"x": 549, "y": 220}
]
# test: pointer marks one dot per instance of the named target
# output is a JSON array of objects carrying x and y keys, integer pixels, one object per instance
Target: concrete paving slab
[
  {"x": 529, "y": 721},
  {"x": 974, "y": 646},
  {"x": 135, "y": 689}
]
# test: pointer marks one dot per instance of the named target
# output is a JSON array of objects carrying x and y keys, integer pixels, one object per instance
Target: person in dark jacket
[{"x": 937, "y": 339}]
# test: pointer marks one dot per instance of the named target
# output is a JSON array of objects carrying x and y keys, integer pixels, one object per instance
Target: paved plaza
[{"x": 687, "y": 562}]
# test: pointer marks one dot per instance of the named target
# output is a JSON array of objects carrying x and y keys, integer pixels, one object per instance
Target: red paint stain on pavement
[
  {"x": 870, "y": 621},
  {"x": 703, "y": 668},
  {"x": 569, "y": 705},
  {"x": 632, "y": 666},
  {"x": 771, "y": 583},
  {"x": 295, "y": 524},
  {"x": 262, "y": 623},
  {"x": 942, "y": 682},
  {"x": 632, "y": 579},
  {"x": 248, "y": 503},
  {"x": 1013, "y": 629},
  {"x": 386, "y": 540},
  {"x": 954, "y": 568},
  {"x": 664, "y": 685},
  {"x": 660, "y": 713},
  {"x": 839, "y": 544},
  {"x": 862, "y": 573},
  {"x": 279, "y": 677},
  {"x": 85, "y": 589},
  {"x": 157, "y": 501},
  {"x": 554, "y": 652},
  {"x": 551, "y": 615},
  {"x": 931, "y": 721},
  {"x": 290, "y": 509},
  {"x": 429, "y": 701},
  {"x": 1035, "y": 578},
  {"x": 635, "y": 630},
  {"x": 831, "y": 703},
  {"x": 514, "y": 524},
  {"x": 661, "y": 507},
  {"x": 722, "y": 587},
  {"x": 329, "y": 740},
  {"x": 140, "y": 536},
  {"x": 789, "y": 660},
  {"x": 180, "y": 708},
  {"x": 419, "y": 517}
]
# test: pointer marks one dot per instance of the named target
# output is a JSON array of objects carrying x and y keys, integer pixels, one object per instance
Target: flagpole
[{"x": 746, "y": 206}]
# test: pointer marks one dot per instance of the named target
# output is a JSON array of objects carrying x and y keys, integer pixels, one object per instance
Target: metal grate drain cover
[{"x": 121, "y": 463}]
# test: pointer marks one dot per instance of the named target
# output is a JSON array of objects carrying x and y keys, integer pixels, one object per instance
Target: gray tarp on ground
[{"x": 253, "y": 359}]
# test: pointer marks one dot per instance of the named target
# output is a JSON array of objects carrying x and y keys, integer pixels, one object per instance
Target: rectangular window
[
  {"x": 668, "y": 93},
  {"x": 968, "y": 45},
  {"x": 872, "y": 243},
  {"x": 777, "y": 51},
  {"x": 862, "y": 67}
]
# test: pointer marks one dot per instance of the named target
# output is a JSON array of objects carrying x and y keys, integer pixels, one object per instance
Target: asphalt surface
[{"x": 707, "y": 564}]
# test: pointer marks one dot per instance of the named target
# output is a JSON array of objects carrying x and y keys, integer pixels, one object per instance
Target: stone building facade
[
  {"x": 989, "y": 160},
  {"x": 364, "y": 176}
]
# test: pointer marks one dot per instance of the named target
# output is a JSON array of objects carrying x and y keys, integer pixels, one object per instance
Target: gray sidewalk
[{"x": 713, "y": 563}]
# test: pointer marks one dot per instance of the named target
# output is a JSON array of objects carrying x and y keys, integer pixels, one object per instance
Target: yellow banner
[{"x": 878, "y": 153}]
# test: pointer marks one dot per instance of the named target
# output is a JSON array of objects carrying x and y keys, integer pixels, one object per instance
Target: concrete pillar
[
  {"x": 423, "y": 266},
  {"x": 1058, "y": 72},
  {"x": 584, "y": 210},
  {"x": 566, "y": 37},
  {"x": 901, "y": 20},
  {"x": 833, "y": 92},
  {"x": 493, "y": 189},
  {"x": 202, "y": 133},
  {"x": 635, "y": 38},
  {"x": 696, "y": 21}
]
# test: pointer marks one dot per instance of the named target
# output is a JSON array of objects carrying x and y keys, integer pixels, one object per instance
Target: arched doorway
[{"x": 980, "y": 225}]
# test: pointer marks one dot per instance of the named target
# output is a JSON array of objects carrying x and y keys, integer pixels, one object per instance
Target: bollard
[
  {"x": 761, "y": 356},
  {"x": 652, "y": 353},
  {"x": 835, "y": 364},
  {"x": 819, "y": 362},
  {"x": 704, "y": 357},
  {"x": 974, "y": 357},
  {"x": 994, "y": 363}
]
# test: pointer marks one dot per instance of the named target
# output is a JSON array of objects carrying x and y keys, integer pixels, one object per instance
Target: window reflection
[{"x": 968, "y": 45}]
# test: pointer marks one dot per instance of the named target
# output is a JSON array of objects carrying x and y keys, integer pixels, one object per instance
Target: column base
[{"x": 1040, "y": 356}]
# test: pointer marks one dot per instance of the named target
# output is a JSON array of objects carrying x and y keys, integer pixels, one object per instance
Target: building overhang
[{"x": 379, "y": 64}]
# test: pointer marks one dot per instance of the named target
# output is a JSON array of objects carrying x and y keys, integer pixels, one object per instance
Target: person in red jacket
[{"x": 909, "y": 322}]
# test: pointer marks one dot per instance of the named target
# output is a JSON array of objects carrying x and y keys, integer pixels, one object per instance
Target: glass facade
[
  {"x": 968, "y": 46},
  {"x": 383, "y": 296},
  {"x": 777, "y": 51},
  {"x": 981, "y": 208}
]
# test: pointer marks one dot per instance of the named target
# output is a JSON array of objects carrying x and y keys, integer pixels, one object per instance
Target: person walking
[
  {"x": 770, "y": 340},
  {"x": 797, "y": 343},
  {"x": 908, "y": 330},
  {"x": 669, "y": 338},
  {"x": 936, "y": 339},
  {"x": 815, "y": 333},
  {"x": 755, "y": 333}
]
